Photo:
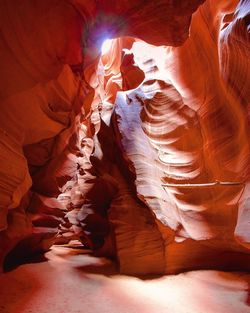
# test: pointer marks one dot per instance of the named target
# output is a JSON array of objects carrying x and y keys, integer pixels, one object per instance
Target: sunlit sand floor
[{"x": 72, "y": 281}]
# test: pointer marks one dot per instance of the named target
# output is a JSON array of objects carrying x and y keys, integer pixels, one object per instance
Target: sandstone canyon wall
[{"x": 142, "y": 153}]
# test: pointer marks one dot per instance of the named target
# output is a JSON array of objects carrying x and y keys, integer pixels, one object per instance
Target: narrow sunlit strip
[{"x": 224, "y": 183}]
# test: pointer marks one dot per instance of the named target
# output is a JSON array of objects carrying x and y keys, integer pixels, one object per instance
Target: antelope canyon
[{"x": 125, "y": 156}]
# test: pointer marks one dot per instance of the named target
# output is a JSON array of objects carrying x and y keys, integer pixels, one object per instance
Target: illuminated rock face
[{"x": 145, "y": 157}]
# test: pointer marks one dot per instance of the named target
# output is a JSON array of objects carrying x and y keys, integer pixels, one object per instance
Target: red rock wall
[{"x": 156, "y": 177}]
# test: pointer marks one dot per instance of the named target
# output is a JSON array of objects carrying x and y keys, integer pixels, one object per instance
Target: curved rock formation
[{"x": 141, "y": 153}]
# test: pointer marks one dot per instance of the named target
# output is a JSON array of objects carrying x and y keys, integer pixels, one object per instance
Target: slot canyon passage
[{"x": 124, "y": 171}]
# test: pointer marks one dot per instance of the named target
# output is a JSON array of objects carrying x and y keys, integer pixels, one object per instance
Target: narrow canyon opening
[{"x": 124, "y": 156}]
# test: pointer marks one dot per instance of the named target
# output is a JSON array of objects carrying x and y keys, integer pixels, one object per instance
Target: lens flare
[{"x": 106, "y": 46}]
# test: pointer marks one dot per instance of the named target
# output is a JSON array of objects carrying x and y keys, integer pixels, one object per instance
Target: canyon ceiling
[{"x": 142, "y": 153}]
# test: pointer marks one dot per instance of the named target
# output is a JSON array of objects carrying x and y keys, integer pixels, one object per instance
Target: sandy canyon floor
[{"x": 72, "y": 281}]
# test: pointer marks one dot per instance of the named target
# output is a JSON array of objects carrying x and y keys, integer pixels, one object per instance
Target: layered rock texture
[{"x": 141, "y": 153}]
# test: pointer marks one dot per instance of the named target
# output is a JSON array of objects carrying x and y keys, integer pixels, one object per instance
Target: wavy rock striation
[{"x": 141, "y": 153}]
